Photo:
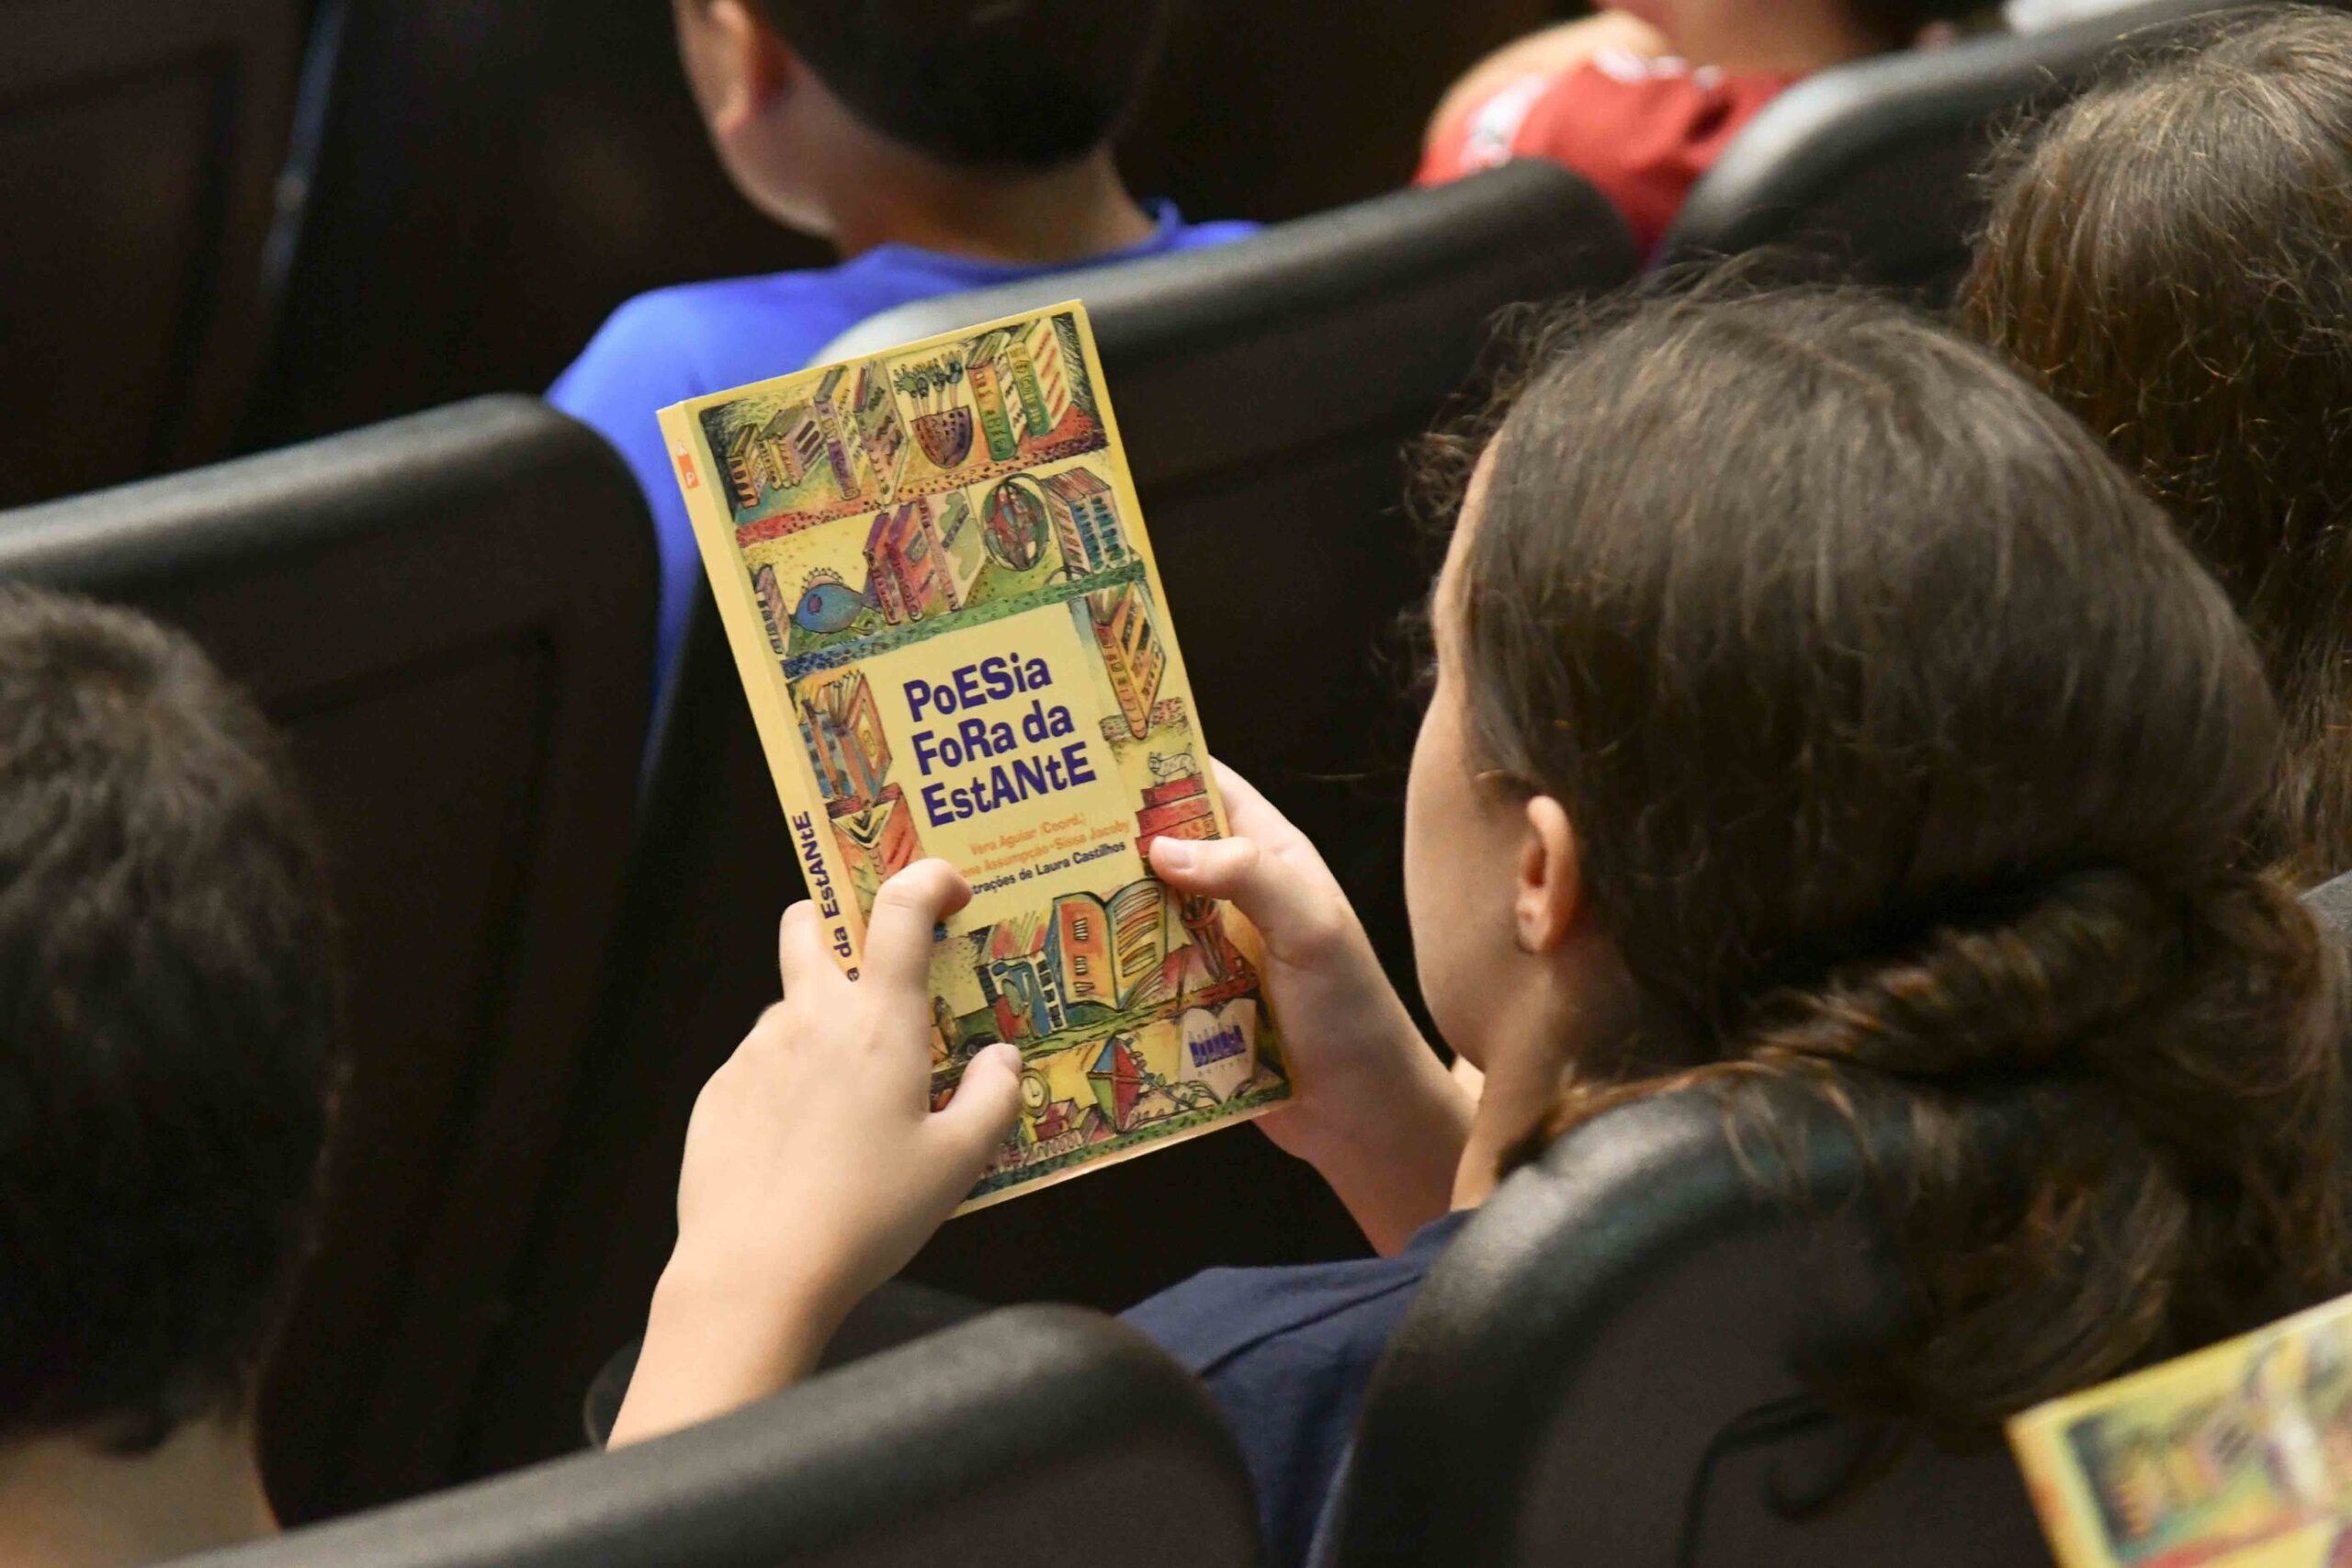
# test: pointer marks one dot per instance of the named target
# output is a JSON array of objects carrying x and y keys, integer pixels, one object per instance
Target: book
[
  {"x": 934, "y": 574},
  {"x": 2240, "y": 1454}
]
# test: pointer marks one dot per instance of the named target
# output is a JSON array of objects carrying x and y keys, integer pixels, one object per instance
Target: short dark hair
[
  {"x": 1911, "y": 753},
  {"x": 1897, "y": 24},
  {"x": 981, "y": 83},
  {"x": 168, "y": 1017},
  {"x": 2167, "y": 258}
]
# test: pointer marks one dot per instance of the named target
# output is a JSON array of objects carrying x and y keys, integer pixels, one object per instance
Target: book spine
[
  {"x": 2061, "y": 1500},
  {"x": 762, "y": 673}
]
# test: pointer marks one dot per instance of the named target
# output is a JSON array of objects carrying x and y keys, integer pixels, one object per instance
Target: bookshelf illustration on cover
[
  {"x": 934, "y": 576},
  {"x": 2238, "y": 1455}
]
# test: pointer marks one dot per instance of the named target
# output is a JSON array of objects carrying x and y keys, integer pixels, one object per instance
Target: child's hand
[
  {"x": 815, "y": 1165},
  {"x": 1374, "y": 1111}
]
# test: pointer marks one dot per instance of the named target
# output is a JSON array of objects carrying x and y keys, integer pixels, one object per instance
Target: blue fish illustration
[{"x": 828, "y": 607}]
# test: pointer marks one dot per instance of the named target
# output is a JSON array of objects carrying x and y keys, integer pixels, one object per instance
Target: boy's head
[
  {"x": 167, "y": 1027},
  {"x": 992, "y": 86}
]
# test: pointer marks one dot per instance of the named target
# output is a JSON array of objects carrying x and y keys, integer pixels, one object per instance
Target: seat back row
[{"x": 1035, "y": 1438}]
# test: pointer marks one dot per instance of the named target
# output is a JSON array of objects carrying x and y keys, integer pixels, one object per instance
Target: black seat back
[
  {"x": 1263, "y": 390},
  {"x": 1035, "y": 1438},
  {"x": 140, "y": 146},
  {"x": 450, "y": 616},
  {"x": 1609, "y": 1365},
  {"x": 1870, "y": 170},
  {"x": 1613, "y": 1362}
]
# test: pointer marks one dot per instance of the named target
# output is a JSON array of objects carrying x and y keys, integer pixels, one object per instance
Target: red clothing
[{"x": 1642, "y": 130}]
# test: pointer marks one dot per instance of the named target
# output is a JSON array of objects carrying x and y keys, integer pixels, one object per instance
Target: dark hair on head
[
  {"x": 2168, "y": 256},
  {"x": 1910, "y": 752},
  {"x": 1897, "y": 23},
  {"x": 982, "y": 83},
  {"x": 168, "y": 1026}
]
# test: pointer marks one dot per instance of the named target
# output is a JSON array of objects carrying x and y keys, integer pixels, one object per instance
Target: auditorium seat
[
  {"x": 1611, "y": 1365},
  {"x": 140, "y": 146},
  {"x": 1033, "y": 1438},
  {"x": 451, "y": 617},
  {"x": 1263, "y": 390},
  {"x": 1868, "y": 171}
]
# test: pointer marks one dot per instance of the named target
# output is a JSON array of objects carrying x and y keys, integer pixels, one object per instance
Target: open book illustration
[
  {"x": 934, "y": 576},
  {"x": 2240, "y": 1455}
]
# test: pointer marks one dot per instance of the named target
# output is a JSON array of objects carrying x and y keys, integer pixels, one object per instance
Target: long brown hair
[
  {"x": 2168, "y": 257},
  {"x": 1910, "y": 751}
]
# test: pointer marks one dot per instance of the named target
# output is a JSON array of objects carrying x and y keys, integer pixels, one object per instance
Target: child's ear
[
  {"x": 1550, "y": 878},
  {"x": 756, "y": 66}
]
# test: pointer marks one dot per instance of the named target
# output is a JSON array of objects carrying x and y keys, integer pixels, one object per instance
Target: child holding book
[
  {"x": 1644, "y": 98},
  {"x": 2166, "y": 258},
  {"x": 1813, "y": 699},
  {"x": 939, "y": 145}
]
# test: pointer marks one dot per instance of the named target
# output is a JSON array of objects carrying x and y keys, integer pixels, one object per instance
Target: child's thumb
[
  {"x": 1220, "y": 868},
  {"x": 1293, "y": 910},
  {"x": 987, "y": 1098}
]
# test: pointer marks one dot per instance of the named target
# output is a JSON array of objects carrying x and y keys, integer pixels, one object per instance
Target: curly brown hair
[
  {"x": 1911, "y": 752},
  {"x": 2167, "y": 256}
]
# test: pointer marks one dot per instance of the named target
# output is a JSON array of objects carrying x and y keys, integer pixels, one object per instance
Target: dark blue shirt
[
  {"x": 681, "y": 342},
  {"x": 1287, "y": 1354}
]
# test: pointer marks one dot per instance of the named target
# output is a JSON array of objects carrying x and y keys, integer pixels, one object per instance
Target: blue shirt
[
  {"x": 1287, "y": 1354},
  {"x": 705, "y": 337}
]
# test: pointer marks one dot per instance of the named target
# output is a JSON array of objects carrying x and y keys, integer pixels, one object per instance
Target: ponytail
[{"x": 2182, "y": 1051}]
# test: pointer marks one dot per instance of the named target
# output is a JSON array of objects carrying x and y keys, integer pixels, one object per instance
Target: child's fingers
[
  {"x": 1291, "y": 910},
  {"x": 982, "y": 1113},
  {"x": 1249, "y": 814},
  {"x": 1221, "y": 868},
  {"x": 906, "y": 911},
  {"x": 802, "y": 959}
]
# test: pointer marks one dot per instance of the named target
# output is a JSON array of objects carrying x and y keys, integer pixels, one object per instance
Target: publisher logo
[{"x": 687, "y": 478}]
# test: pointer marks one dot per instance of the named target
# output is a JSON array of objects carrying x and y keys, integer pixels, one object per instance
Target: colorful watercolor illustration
[
  {"x": 2238, "y": 1455},
  {"x": 934, "y": 573}
]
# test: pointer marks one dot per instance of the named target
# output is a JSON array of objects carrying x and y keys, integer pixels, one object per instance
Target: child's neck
[
  {"x": 65, "y": 1502},
  {"x": 1513, "y": 1102},
  {"x": 1043, "y": 217},
  {"x": 1770, "y": 40}
]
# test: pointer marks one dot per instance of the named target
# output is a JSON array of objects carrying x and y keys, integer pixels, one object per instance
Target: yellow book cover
[
  {"x": 934, "y": 574},
  {"x": 2239, "y": 1455}
]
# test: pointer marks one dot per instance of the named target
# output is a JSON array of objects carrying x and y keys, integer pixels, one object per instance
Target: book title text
[{"x": 985, "y": 761}]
